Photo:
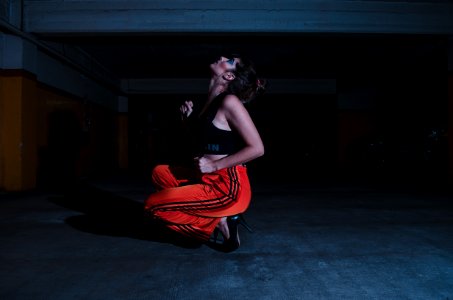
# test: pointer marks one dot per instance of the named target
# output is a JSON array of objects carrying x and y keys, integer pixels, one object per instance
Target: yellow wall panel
[{"x": 11, "y": 136}]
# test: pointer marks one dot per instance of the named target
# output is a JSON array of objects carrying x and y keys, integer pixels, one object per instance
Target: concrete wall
[{"x": 41, "y": 95}]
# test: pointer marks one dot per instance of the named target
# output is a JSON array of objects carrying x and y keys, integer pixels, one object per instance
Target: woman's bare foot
[{"x": 223, "y": 227}]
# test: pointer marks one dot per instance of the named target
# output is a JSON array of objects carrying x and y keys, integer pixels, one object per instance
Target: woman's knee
[
  {"x": 159, "y": 170},
  {"x": 160, "y": 176}
]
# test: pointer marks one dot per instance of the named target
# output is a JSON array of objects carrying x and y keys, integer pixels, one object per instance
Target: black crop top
[{"x": 209, "y": 138}]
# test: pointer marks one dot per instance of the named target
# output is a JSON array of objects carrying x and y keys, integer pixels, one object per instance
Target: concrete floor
[{"x": 309, "y": 242}]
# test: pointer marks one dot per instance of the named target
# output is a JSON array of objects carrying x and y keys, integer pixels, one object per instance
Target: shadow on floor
[{"x": 107, "y": 214}]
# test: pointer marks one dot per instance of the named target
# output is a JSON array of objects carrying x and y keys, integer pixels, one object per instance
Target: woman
[{"x": 209, "y": 197}]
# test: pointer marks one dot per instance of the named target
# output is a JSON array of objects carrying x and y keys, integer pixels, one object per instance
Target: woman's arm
[{"x": 238, "y": 119}]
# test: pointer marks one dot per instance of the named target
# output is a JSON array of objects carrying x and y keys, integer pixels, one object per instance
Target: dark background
[{"x": 395, "y": 83}]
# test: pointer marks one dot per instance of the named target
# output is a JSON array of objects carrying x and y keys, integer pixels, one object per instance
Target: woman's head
[
  {"x": 245, "y": 83},
  {"x": 224, "y": 65}
]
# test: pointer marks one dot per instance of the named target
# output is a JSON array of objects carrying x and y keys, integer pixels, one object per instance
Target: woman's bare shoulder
[
  {"x": 233, "y": 108},
  {"x": 231, "y": 101}
]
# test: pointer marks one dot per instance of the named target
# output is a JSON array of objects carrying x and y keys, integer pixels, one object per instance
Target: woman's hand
[
  {"x": 205, "y": 165},
  {"x": 186, "y": 109}
]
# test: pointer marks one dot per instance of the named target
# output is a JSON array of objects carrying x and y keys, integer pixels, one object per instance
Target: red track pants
[{"x": 195, "y": 209}]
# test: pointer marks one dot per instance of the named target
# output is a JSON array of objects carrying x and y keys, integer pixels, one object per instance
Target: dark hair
[{"x": 246, "y": 85}]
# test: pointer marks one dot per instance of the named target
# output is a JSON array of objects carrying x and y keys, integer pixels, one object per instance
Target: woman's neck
[{"x": 215, "y": 88}]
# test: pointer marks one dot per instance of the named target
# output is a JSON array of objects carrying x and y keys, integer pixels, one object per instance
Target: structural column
[
  {"x": 18, "y": 142},
  {"x": 450, "y": 129},
  {"x": 122, "y": 122}
]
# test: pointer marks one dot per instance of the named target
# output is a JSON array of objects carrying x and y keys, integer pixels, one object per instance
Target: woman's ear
[{"x": 228, "y": 76}]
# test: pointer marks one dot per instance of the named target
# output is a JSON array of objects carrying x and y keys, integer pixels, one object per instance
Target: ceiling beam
[
  {"x": 200, "y": 86},
  {"x": 242, "y": 16}
]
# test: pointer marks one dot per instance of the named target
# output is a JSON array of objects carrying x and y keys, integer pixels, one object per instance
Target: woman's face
[{"x": 224, "y": 64}]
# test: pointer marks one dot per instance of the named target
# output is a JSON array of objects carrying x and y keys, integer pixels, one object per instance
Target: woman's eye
[{"x": 230, "y": 61}]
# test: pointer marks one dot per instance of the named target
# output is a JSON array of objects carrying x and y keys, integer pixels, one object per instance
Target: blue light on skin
[{"x": 230, "y": 61}]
